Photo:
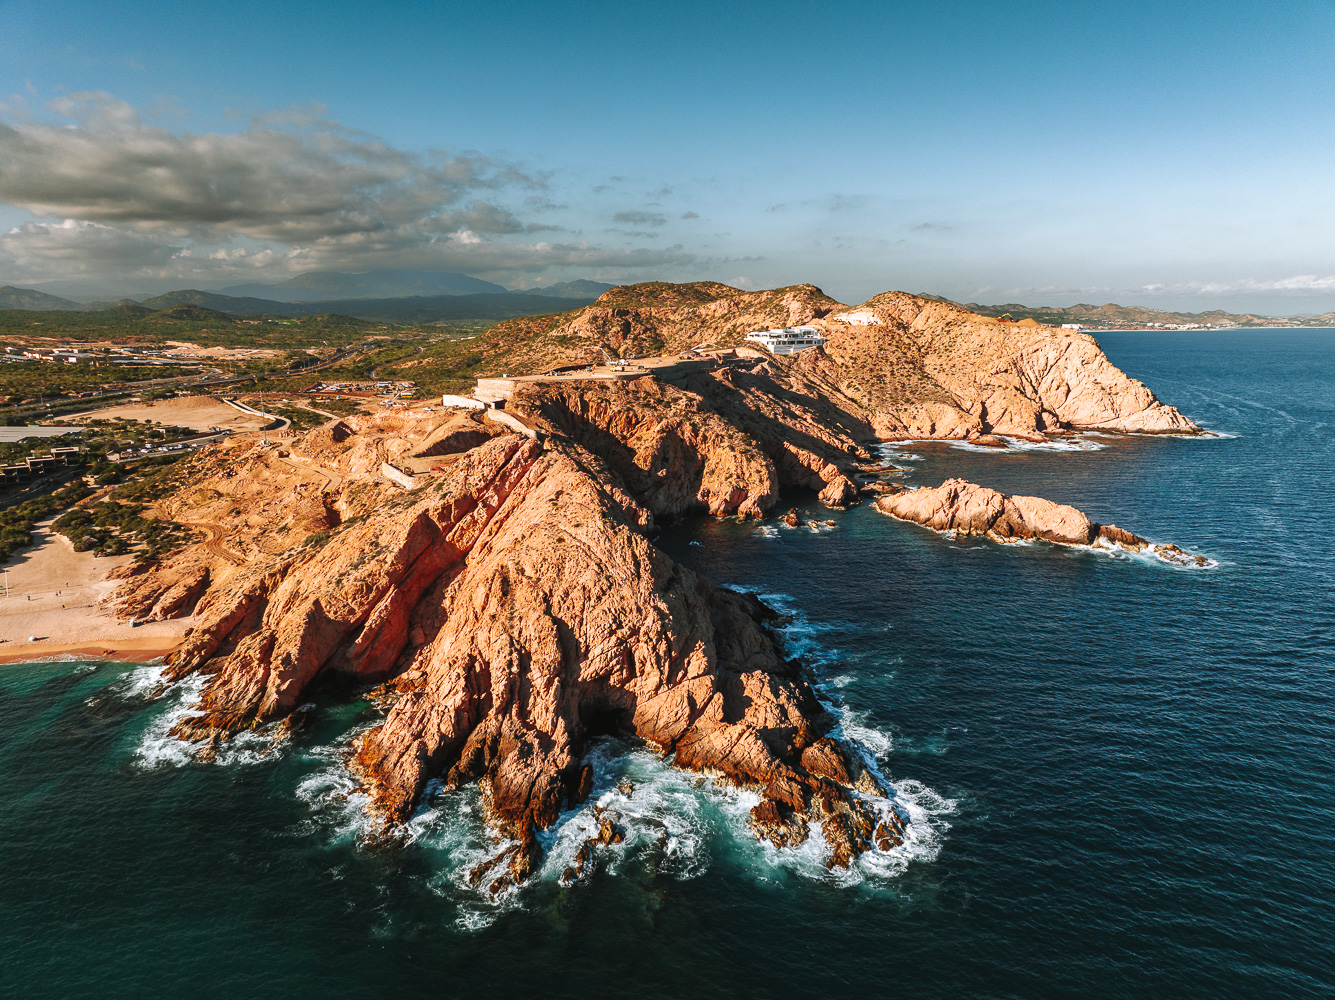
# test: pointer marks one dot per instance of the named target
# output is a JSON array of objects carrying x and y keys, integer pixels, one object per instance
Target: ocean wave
[
  {"x": 1155, "y": 554},
  {"x": 335, "y": 800},
  {"x": 893, "y": 451},
  {"x": 157, "y": 746}
]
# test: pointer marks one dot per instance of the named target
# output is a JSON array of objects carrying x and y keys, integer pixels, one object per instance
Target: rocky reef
[{"x": 965, "y": 508}]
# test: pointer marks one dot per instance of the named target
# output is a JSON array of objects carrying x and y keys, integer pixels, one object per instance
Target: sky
[{"x": 1174, "y": 154}]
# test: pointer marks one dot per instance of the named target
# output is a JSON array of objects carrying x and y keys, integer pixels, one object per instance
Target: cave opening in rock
[{"x": 601, "y": 718}]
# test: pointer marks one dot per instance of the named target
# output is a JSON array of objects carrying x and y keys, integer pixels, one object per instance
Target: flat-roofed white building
[{"x": 788, "y": 340}]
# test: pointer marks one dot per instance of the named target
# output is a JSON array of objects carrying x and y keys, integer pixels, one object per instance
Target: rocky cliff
[
  {"x": 512, "y": 611},
  {"x": 722, "y": 442},
  {"x": 930, "y": 369},
  {"x": 916, "y": 367}
]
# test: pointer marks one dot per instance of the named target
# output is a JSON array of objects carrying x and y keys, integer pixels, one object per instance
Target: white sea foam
[
  {"x": 1014, "y": 445},
  {"x": 142, "y": 682},
  {"x": 675, "y": 823},
  {"x": 1153, "y": 555},
  {"x": 893, "y": 451},
  {"x": 158, "y": 748},
  {"x": 662, "y": 812},
  {"x": 337, "y": 804},
  {"x": 767, "y": 531}
]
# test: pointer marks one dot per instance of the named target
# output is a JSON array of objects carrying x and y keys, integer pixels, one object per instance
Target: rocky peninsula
[{"x": 505, "y": 599}]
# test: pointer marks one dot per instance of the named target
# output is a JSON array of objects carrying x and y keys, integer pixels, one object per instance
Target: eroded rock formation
[
  {"x": 724, "y": 442},
  {"x": 913, "y": 367},
  {"x": 931, "y": 369}
]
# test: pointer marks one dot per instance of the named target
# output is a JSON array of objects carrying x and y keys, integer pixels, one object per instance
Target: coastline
[{"x": 127, "y": 651}]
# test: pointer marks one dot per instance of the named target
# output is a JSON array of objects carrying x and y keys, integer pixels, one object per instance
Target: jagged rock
[
  {"x": 547, "y": 619},
  {"x": 608, "y": 830},
  {"x": 908, "y": 367},
  {"x": 1120, "y": 537},
  {"x": 931, "y": 369},
  {"x": 510, "y": 607}
]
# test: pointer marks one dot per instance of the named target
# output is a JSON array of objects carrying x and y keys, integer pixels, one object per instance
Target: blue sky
[{"x": 1177, "y": 154}]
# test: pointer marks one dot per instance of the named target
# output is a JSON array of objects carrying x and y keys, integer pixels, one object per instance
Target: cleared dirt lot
[{"x": 197, "y": 412}]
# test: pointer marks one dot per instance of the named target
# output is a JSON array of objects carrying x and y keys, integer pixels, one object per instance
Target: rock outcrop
[
  {"x": 723, "y": 442},
  {"x": 960, "y": 506},
  {"x": 512, "y": 611},
  {"x": 930, "y": 369},
  {"x": 964, "y": 508}
]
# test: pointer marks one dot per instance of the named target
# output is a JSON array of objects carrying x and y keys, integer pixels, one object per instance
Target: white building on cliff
[{"x": 789, "y": 340}]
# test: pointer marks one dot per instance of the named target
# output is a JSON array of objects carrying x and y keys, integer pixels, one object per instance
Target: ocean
[{"x": 1121, "y": 774}]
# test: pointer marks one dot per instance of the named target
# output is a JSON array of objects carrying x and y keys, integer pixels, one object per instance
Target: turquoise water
[{"x": 1122, "y": 775}]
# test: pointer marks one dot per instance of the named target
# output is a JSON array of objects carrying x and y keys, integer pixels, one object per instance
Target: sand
[
  {"x": 199, "y": 413},
  {"x": 53, "y": 595}
]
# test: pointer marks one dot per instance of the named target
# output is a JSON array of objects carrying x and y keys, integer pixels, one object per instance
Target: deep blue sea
[{"x": 1121, "y": 774}]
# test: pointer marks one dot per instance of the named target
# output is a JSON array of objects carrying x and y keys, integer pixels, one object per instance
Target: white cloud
[{"x": 290, "y": 191}]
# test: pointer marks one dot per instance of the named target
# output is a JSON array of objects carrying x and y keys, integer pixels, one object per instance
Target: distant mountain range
[
  {"x": 325, "y": 286},
  {"x": 385, "y": 296},
  {"x": 1111, "y": 316},
  {"x": 438, "y": 296},
  {"x": 581, "y": 288},
  {"x": 316, "y": 286}
]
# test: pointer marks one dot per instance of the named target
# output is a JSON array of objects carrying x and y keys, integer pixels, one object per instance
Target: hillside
[
  {"x": 581, "y": 288},
  {"x": 650, "y": 318},
  {"x": 910, "y": 366},
  {"x": 29, "y": 298}
]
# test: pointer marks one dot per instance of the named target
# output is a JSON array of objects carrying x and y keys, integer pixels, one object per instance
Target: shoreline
[{"x": 126, "y": 651}]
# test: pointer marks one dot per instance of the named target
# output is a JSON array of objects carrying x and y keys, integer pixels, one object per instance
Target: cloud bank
[{"x": 120, "y": 199}]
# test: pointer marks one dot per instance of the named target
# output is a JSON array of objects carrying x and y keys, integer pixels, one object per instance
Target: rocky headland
[{"x": 504, "y": 599}]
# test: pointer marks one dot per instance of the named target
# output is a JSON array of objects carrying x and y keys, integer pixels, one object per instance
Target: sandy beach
[{"x": 51, "y": 608}]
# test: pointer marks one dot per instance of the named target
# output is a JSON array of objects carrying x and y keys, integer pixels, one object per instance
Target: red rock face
[
  {"x": 931, "y": 369},
  {"x": 511, "y": 609},
  {"x": 517, "y": 612},
  {"x": 726, "y": 443},
  {"x": 912, "y": 367},
  {"x": 963, "y": 507}
]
